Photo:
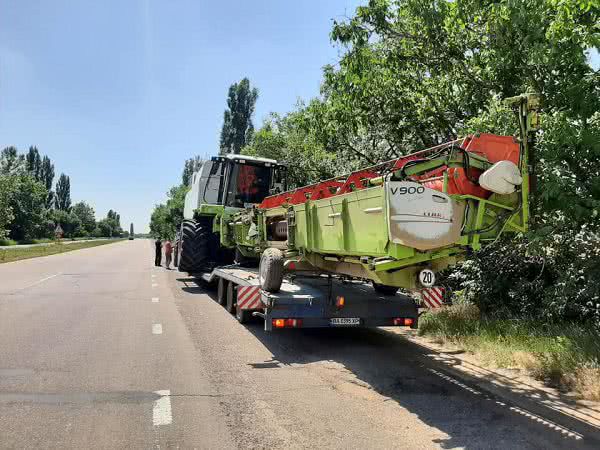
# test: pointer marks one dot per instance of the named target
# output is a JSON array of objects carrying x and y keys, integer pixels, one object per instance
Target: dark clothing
[{"x": 158, "y": 257}]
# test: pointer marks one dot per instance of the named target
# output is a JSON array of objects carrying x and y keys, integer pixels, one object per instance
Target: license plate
[{"x": 344, "y": 321}]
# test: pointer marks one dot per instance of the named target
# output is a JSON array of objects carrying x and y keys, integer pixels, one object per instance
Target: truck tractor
[{"x": 221, "y": 188}]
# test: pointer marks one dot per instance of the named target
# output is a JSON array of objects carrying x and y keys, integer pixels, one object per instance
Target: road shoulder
[{"x": 514, "y": 386}]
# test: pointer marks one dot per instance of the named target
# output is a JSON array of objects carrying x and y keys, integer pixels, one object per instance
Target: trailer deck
[{"x": 309, "y": 301}]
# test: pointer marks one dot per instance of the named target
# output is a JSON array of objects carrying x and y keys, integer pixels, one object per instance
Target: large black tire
[
  {"x": 270, "y": 270},
  {"x": 231, "y": 298},
  {"x": 242, "y": 315},
  {"x": 385, "y": 290},
  {"x": 194, "y": 252},
  {"x": 222, "y": 291}
]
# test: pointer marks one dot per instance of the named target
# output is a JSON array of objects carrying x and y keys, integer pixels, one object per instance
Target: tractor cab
[{"x": 235, "y": 181}]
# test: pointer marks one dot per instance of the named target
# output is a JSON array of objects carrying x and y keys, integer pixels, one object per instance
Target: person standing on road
[
  {"x": 168, "y": 252},
  {"x": 158, "y": 252}
]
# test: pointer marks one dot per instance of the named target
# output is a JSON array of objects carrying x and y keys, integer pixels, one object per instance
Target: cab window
[{"x": 249, "y": 184}]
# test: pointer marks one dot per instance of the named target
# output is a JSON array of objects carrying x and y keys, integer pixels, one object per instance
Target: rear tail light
[
  {"x": 340, "y": 301},
  {"x": 286, "y": 323},
  {"x": 401, "y": 321}
]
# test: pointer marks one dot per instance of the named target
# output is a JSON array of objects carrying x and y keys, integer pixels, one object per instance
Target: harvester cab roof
[{"x": 235, "y": 181}]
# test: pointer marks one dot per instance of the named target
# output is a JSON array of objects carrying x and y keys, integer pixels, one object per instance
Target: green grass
[
  {"x": 10, "y": 242},
  {"x": 564, "y": 355},
  {"x": 16, "y": 254}
]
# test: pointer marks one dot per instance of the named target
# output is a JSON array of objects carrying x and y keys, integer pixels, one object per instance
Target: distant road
[{"x": 100, "y": 349}]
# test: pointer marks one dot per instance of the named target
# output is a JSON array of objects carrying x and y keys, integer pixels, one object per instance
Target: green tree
[
  {"x": 166, "y": 218},
  {"x": 190, "y": 166},
  {"x": 34, "y": 163},
  {"x": 63, "y": 193},
  {"x": 159, "y": 227},
  {"x": 6, "y": 212},
  {"x": 11, "y": 162},
  {"x": 47, "y": 177},
  {"x": 28, "y": 205},
  {"x": 106, "y": 228},
  {"x": 237, "y": 119},
  {"x": 111, "y": 225},
  {"x": 69, "y": 222},
  {"x": 286, "y": 139},
  {"x": 86, "y": 216},
  {"x": 416, "y": 73}
]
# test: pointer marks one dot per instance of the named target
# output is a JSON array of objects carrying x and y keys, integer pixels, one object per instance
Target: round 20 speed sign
[{"x": 427, "y": 278}]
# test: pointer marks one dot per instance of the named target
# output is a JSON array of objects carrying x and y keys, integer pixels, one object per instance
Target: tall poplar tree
[{"x": 237, "y": 119}]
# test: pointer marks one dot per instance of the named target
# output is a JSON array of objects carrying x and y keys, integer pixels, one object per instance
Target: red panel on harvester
[{"x": 494, "y": 148}]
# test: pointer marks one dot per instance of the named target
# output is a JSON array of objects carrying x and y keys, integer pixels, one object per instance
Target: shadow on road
[{"x": 411, "y": 375}]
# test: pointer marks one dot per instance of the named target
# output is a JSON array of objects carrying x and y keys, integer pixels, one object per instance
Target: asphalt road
[{"x": 99, "y": 349}]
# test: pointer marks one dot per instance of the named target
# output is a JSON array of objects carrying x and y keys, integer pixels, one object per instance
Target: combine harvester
[{"x": 394, "y": 225}]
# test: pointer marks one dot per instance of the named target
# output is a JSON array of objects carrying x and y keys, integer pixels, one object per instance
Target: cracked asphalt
[{"x": 83, "y": 364}]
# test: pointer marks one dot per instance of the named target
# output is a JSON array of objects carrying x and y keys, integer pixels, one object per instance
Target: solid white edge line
[{"x": 161, "y": 411}]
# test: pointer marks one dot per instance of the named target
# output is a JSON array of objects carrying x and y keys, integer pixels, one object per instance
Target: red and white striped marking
[
  {"x": 433, "y": 297},
  {"x": 248, "y": 297}
]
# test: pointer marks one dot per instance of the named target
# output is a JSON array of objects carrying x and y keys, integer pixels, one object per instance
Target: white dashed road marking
[
  {"x": 154, "y": 285},
  {"x": 554, "y": 426},
  {"x": 40, "y": 281},
  {"x": 154, "y": 299},
  {"x": 161, "y": 413},
  {"x": 156, "y": 328}
]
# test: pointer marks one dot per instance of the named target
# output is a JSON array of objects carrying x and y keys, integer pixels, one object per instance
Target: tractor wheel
[
  {"x": 270, "y": 270},
  {"x": 231, "y": 298},
  {"x": 385, "y": 290},
  {"x": 194, "y": 247}
]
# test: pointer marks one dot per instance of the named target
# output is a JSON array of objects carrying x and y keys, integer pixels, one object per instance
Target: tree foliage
[
  {"x": 34, "y": 163},
  {"x": 86, "y": 215},
  {"x": 416, "y": 73},
  {"x": 6, "y": 211},
  {"x": 166, "y": 218},
  {"x": 237, "y": 119},
  {"x": 11, "y": 162},
  {"x": 47, "y": 176},
  {"x": 110, "y": 226},
  {"x": 27, "y": 206},
  {"x": 69, "y": 222},
  {"x": 63, "y": 193},
  {"x": 27, "y": 201},
  {"x": 288, "y": 139},
  {"x": 190, "y": 166}
]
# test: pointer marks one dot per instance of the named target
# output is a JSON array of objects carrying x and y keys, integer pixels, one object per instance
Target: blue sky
[{"x": 120, "y": 93}]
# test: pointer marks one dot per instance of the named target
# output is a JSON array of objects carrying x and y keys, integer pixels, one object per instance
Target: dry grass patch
[
  {"x": 563, "y": 355},
  {"x": 17, "y": 254}
]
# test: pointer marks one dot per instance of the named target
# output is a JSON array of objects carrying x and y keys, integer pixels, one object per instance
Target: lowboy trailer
[{"x": 309, "y": 301}]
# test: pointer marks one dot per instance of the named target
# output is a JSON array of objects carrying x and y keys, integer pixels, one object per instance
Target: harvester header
[{"x": 385, "y": 223}]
